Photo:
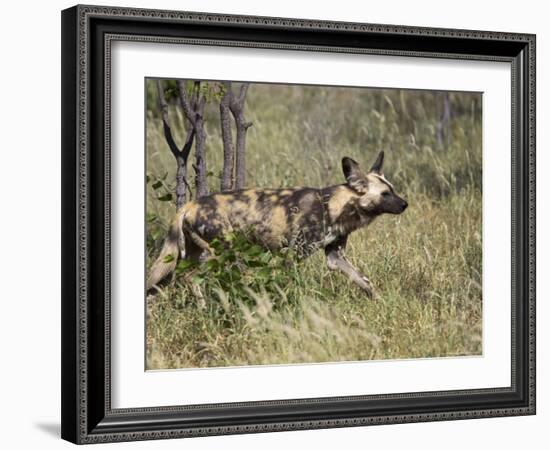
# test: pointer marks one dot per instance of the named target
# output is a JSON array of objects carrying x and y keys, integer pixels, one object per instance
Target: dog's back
[{"x": 300, "y": 217}]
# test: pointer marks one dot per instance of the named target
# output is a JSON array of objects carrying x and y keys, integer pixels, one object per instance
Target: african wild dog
[{"x": 302, "y": 218}]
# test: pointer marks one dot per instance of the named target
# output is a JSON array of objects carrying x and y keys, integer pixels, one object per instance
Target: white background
[
  {"x": 132, "y": 387},
  {"x": 30, "y": 234}
]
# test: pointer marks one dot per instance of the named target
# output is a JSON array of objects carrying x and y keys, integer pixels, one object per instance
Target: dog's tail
[{"x": 166, "y": 263}]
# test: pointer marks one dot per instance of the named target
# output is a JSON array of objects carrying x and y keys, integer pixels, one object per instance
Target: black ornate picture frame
[{"x": 87, "y": 35}]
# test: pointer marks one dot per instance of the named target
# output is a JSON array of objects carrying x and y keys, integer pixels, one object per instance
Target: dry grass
[{"x": 426, "y": 264}]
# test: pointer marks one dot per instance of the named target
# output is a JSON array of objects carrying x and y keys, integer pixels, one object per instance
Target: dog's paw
[{"x": 368, "y": 288}]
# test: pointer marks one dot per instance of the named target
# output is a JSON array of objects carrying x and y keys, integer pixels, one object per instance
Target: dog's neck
[{"x": 353, "y": 218}]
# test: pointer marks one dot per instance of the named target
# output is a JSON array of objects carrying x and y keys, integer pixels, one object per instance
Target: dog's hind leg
[
  {"x": 336, "y": 260},
  {"x": 199, "y": 242},
  {"x": 193, "y": 253}
]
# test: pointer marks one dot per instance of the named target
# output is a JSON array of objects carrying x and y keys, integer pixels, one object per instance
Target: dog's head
[{"x": 376, "y": 194}]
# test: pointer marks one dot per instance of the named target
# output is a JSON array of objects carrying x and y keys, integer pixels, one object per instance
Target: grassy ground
[{"x": 425, "y": 264}]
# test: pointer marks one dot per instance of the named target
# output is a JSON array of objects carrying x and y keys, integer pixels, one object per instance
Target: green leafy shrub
[{"x": 239, "y": 267}]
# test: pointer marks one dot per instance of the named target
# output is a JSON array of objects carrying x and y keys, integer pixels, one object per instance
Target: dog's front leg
[{"x": 336, "y": 260}]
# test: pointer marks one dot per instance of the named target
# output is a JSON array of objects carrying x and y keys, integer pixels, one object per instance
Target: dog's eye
[{"x": 385, "y": 194}]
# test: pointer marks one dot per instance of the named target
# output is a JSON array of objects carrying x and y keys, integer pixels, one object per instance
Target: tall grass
[{"x": 425, "y": 264}]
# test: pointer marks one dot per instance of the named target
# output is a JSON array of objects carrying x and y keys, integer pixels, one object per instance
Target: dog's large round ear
[
  {"x": 354, "y": 176},
  {"x": 350, "y": 167},
  {"x": 377, "y": 166}
]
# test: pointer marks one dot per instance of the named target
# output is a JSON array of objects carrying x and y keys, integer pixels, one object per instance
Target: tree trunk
[
  {"x": 194, "y": 112},
  {"x": 447, "y": 117},
  {"x": 201, "y": 182},
  {"x": 227, "y": 138},
  {"x": 240, "y": 155},
  {"x": 237, "y": 107},
  {"x": 181, "y": 186},
  {"x": 444, "y": 119}
]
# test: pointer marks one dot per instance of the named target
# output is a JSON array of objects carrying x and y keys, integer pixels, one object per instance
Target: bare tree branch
[
  {"x": 188, "y": 107},
  {"x": 166, "y": 121},
  {"x": 180, "y": 155},
  {"x": 188, "y": 143},
  {"x": 193, "y": 110},
  {"x": 242, "y": 94}
]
